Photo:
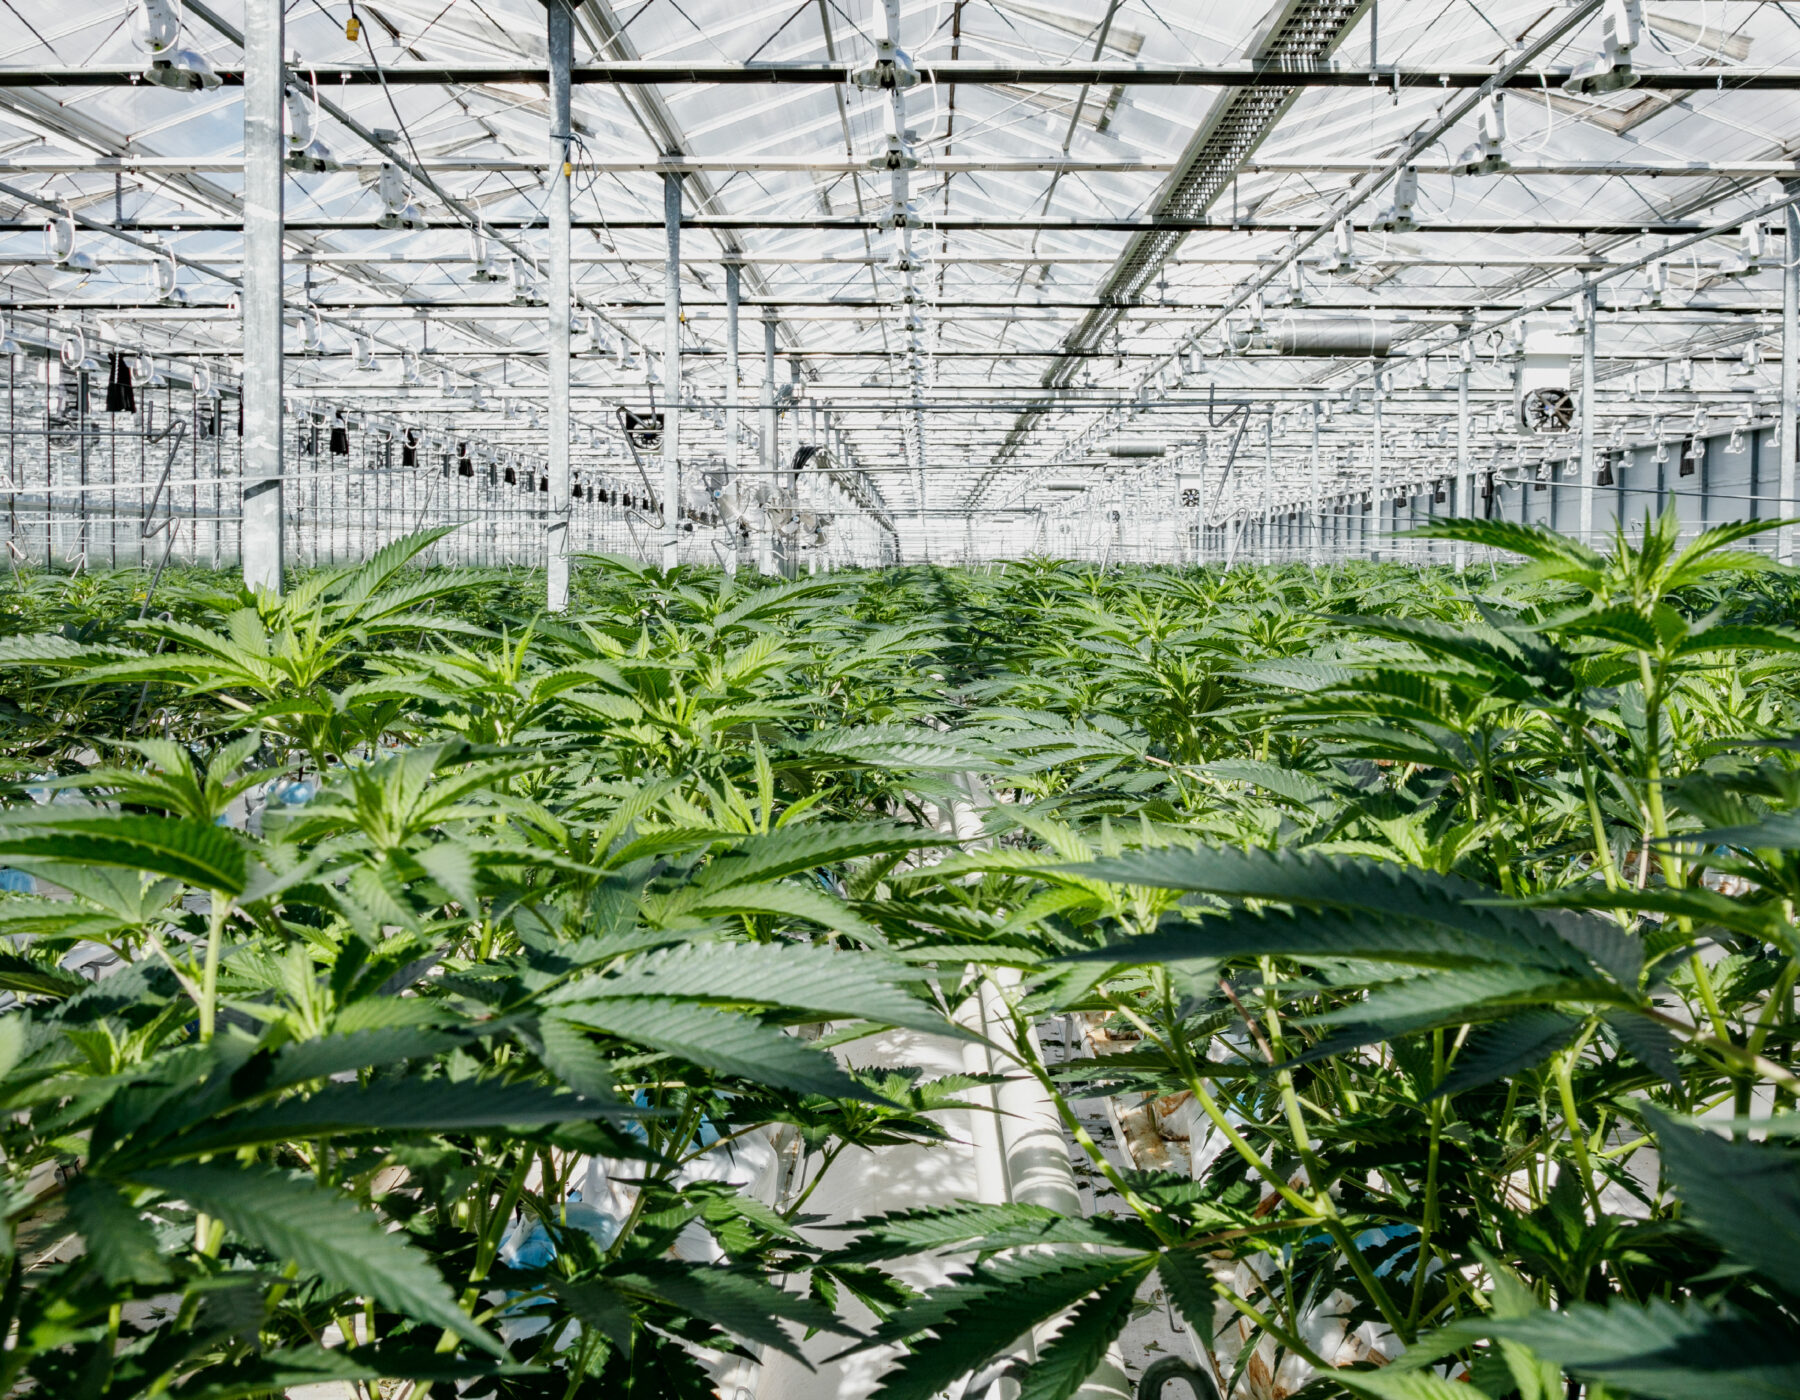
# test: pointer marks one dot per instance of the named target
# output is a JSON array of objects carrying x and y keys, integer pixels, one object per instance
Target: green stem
[
  {"x": 219, "y": 911},
  {"x": 1596, "y": 818},
  {"x": 1565, "y": 1088},
  {"x": 831, "y": 1155},
  {"x": 1428, "y": 1216}
]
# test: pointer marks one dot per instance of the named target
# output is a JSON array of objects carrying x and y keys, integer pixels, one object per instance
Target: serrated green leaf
[
  {"x": 897, "y": 746},
  {"x": 1744, "y": 1195},
  {"x": 301, "y": 1060},
  {"x": 596, "y": 1304},
  {"x": 389, "y": 1106},
  {"x": 792, "y": 849},
  {"x": 293, "y": 1218},
  {"x": 1389, "y": 1384},
  {"x": 1188, "y": 1279},
  {"x": 1331, "y": 933},
  {"x": 1506, "y": 1047},
  {"x": 1664, "y": 1351},
  {"x": 742, "y": 1303},
  {"x": 960, "y": 1325},
  {"x": 1078, "y": 1349},
  {"x": 1383, "y": 888},
  {"x": 275, "y": 1372},
  {"x": 976, "y": 1227},
  {"x": 24, "y": 974},
  {"x": 792, "y": 900},
  {"x": 118, "y": 1239},
  {"x": 720, "y": 1040},
  {"x": 817, "y": 980},
  {"x": 197, "y": 853}
]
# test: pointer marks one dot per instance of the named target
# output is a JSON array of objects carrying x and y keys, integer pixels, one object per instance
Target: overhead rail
[
  {"x": 941, "y": 165},
  {"x": 651, "y": 73},
  {"x": 997, "y": 223}
]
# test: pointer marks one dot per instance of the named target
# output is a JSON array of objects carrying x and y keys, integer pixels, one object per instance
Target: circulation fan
[{"x": 1547, "y": 410}]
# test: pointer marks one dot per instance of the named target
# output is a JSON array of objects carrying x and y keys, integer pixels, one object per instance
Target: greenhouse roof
[{"x": 1125, "y": 220}]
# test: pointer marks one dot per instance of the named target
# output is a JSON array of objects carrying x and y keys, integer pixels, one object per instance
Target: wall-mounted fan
[{"x": 1546, "y": 410}]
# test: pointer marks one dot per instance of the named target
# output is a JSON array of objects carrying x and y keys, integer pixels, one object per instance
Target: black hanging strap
[{"x": 119, "y": 395}]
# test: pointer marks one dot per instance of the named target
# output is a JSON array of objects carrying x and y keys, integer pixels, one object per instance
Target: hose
[{"x": 1172, "y": 1368}]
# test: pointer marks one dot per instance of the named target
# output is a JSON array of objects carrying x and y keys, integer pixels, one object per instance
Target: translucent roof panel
[{"x": 1285, "y": 216}]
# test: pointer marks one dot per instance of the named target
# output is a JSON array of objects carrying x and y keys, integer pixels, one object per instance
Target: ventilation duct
[{"x": 1357, "y": 339}]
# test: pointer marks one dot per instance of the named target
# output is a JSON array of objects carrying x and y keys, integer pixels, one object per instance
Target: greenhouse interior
[{"x": 900, "y": 700}]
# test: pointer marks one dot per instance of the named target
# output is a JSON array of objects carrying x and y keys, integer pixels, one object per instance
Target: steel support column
[
  {"x": 766, "y": 454},
  {"x": 732, "y": 383},
  {"x": 557, "y": 312},
  {"x": 1315, "y": 520},
  {"x": 260, "y": 538},
  {"x": 671, "y": 436},
  {"x": 1591, "y": 322},
  {"x": 1464, "y": 503},
  {"x": 1268, "y": 485},
  {"x": 1372, "y": 534},
  {"x": 1790, "y": 377}
]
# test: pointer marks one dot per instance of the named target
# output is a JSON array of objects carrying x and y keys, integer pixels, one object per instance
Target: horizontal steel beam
[
  {"x": 929, "y": 165},
  {"x": 863, "y": 309},
  {"x": 996, "y": 223},
  {"x": 686, "y": 165},
  {"x": 646, "y": 73},
  {"x": 1578, "y": 262},
  {"x": 1635, "y": 169}
]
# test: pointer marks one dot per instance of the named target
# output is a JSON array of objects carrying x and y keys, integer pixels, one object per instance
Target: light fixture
[
  {"x": 1610, "y": 70},
  {"x": 74, "y": 352},
  {"x": 1747, "y": 257},
  {"x": 482, "y": 258},
  {"x": 165, "y": 279},
  {"x": 306, "y": 153},
  {"x": 158, "y": 29},
  {"x": 901, "y": 214},
  {"x": 1397, "y": 216},
  {"x": 891, "y": 68},
  {"x": 364, "y": 351},
  {"x": 523, "y": 284},
  {"x": 1487, "y": 154},
  {"x": 397, "y": 210},
  {"x": 9, "y": 346},
  {"x": 60, "y": 244},
  {"x": 897, "y": 156},
  {"x": 1296, "y": 292},
  {"x": 1342, "y": 258}
]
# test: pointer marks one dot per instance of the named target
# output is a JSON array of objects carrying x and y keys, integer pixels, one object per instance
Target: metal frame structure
[{"x": 1113, "y": 280}]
